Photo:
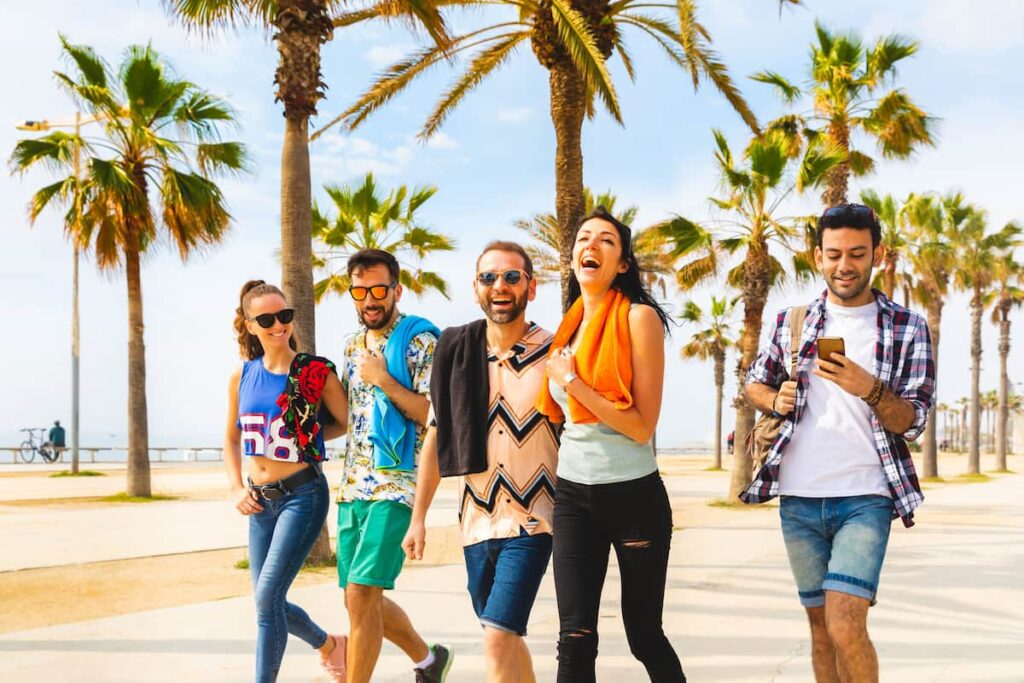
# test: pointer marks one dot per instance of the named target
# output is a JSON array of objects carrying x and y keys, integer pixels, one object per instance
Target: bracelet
[{"x": 875, "y": 395}]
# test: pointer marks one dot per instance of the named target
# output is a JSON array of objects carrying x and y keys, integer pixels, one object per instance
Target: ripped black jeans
[{"x": 635, "y": 518}]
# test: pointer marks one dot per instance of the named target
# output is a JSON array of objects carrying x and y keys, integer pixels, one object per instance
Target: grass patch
[
  {"x": 330, "y": 562},
  {"x": 80, "y": 473},
  {"x": 1002, "y": 472},
  {"x": 242, "y": 563},
  {"x": 725, "y": 503},
  {"x": 972, "y": 478},
  {"x": 932, "y": 480},
  {"x": 125, "y": 498},
  {"x": 714, "y": 469}
]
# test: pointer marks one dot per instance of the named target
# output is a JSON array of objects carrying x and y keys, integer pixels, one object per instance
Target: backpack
[{"x": 766, "y": 430}]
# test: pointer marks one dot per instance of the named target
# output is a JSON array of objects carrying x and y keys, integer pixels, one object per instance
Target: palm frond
[{"x": 578, "y": 41}]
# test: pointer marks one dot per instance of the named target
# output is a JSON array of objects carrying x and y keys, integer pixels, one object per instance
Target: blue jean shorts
[
  {"x": 504, "y": 577},
  {"x": 836, "y": 544}
]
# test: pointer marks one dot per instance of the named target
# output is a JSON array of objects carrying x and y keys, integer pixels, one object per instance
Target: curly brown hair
[{"x": 249, "y": 344}]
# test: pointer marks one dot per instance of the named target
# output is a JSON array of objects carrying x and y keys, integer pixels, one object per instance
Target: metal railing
[{"x": 87, "y": 454}]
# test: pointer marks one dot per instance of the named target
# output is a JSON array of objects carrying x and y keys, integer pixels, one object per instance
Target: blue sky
[{"x": 493, "y": 164}]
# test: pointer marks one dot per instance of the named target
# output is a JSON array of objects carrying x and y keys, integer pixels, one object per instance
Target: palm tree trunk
[
  {"x": 719, "y": 385},
  {"x": 930, "y": 464},
  {"x": 755, "y": 296},
  {"x": 889, "y": 273},
  {"x": 296, "y": 230},
  {"x": 1004, "y": 393},
  {"x": 303, "y": 26},
  {"x": 838, "y": 178},
  {"x": 138, "y": 428},
  {"x": 568, "y": 109},
  {"x": 974, "y": 456}
]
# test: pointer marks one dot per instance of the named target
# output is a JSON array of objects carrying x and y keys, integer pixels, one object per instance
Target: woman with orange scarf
[{"x": 606, "y": 371}]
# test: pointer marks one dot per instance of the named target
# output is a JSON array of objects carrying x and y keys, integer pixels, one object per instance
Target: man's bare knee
[
  {"x": 360, "y": 599},
  {"x": 846, "y": 617},
  {"x": 500, "y": 644}
]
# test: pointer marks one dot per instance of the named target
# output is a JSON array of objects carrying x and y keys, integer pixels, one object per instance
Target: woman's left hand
[{"x": 560, "y": 363}]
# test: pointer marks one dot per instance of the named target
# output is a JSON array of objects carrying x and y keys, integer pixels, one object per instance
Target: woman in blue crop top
[{"x": 272, "y": 420}]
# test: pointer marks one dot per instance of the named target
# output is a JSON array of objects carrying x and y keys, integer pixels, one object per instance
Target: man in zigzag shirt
[{"x": 485, "y": 427}]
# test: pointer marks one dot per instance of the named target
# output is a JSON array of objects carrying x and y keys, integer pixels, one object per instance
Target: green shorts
[{"x": 370, "y": 534}]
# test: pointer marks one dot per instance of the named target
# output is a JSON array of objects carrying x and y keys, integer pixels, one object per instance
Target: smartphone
[{"x": 829, "y": 345}]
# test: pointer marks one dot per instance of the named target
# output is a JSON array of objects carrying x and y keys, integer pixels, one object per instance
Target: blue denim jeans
[
  {"x": 836, "y": 544},
  {"x": 280, "y": 538},
  {"x": 504, "y": 575}
]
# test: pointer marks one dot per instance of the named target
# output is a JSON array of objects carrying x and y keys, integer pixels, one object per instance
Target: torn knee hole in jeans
[
  {"x": 579, "y": 633},
  {"x": 637, "y": 544}
]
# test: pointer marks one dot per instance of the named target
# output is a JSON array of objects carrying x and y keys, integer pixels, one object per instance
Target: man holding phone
[{"x": 864, "y": 386}]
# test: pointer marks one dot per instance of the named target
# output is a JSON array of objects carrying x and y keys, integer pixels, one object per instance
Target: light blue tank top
[
  {"x": 259, "y": 416},
  {"x": 594, "y": 453}
]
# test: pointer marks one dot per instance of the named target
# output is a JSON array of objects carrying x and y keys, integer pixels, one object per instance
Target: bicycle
[{"x": 33, "y": 445}]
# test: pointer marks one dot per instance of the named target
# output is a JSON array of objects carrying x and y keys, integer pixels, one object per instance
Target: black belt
[{"x": 283, "y": 487}]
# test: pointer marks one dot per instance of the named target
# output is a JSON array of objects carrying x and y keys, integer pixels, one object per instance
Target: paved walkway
[{"x": 951, "y": 609}]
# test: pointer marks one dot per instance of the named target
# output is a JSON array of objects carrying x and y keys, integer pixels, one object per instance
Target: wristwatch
[{"x": 568, "y": 378}]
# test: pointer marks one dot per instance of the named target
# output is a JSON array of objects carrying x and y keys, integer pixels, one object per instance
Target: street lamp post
[{"x": 45, "y": 125}]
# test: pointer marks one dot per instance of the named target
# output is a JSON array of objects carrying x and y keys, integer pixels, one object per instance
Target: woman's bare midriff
[{"x": 264, "y": 471}]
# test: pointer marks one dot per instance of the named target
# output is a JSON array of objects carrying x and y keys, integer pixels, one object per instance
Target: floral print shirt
[{"x": 362, "y": 481}]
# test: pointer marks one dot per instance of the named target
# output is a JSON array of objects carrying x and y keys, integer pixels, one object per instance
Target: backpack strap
[{"x": 797, "y": 314}]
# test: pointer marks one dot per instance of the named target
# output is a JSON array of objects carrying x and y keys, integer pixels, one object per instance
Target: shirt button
[
  {"x": 508, "y": 500},
  {"x": 501, "y": 431},
  {"x": 501, "y": 464}
]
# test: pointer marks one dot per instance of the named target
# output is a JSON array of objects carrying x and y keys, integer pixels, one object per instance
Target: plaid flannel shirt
[{"x": 903, "y": 360}]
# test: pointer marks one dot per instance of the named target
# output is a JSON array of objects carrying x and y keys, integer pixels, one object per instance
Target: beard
[
  {"x": 507, "y": 315},
  {"x": 387, "y": 314},
  {"x": 851, "y": 291}
]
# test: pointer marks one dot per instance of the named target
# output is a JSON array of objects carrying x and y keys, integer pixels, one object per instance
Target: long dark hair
[
  {"x": 629, "y": 283},
  {"x": 249, "y": 344}
]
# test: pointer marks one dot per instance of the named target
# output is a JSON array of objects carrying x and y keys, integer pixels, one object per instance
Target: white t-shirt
[{"x": 832, "y": 452}]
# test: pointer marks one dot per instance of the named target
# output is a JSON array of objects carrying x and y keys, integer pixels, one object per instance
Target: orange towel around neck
[{"x": 603, "y": 358}]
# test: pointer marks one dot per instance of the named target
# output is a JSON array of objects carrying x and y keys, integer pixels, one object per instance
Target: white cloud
[
  {"x": 381, "y": 56},
  {"x": 953, "y": 26},
  {"x": 337, "y": 158},
  {"x": 515, "y": 115},
  {"x": 442, "y": 140}
]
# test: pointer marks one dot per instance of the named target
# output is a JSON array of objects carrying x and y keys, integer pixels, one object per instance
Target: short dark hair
[
  {"x": 505, "y": 245},
  {"x": 367, "y": 258},
  {"x": 856, "y": 216}
]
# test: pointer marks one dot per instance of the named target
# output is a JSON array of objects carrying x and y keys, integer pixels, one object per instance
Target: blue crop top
[{"x": 259, "y": 416}]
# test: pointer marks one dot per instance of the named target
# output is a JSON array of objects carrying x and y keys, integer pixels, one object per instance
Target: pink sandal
[{"x": 334, "y": 665}]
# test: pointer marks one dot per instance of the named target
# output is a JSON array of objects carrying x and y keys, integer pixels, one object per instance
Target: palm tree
[
  {"x": 712, "y": 341},
  {"x": 932, "y": 225},
  {"x": 989, "y": 404},
  {"x": 367, "y": 219},
  {"x": 573, "y": 41},
  {"x": 846, "y": 85},
  {"x": 647, "y": 244},
  {"x": 755, "y": 186},
  {"x": 964, "y": 403},
  {"x": 1015, "y": 406},
  {"x": 150, "y": 175},
  {"x": 300, "y": 28},
  {"x": 887, "y": 209},
  {"x": 977, "y": 253},
  {"x": 943, "y": 411},
  {"x": 1008, "y": 275}
]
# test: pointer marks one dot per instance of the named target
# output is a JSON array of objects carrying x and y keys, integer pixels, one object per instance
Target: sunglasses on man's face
[
  {"x": 378, "y": 292},
  {"x": 511, "y": 277},
  {"x": 266, "y": 320}
]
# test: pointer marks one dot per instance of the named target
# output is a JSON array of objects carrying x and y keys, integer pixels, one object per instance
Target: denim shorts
[
  {"x": 504, "y": 577},
  {"x": 836, "y": 544}
]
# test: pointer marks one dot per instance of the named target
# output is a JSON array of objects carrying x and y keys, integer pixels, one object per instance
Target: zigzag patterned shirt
[{"x": 517, "y": 491}]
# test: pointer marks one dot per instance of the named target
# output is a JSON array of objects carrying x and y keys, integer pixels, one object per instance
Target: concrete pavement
[{"x": 951, "y": 608}]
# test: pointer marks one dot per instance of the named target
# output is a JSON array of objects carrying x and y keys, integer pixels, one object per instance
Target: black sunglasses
[
  {"x": 378, "y": 292},
  {"x": 511, "y": 277},
  {"x": 854, "y": 210},
  {"x": 266, "y": 320}
]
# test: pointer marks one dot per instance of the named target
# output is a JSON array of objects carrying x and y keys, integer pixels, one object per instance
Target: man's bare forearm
[
  {"x": 895, "y": 414},
  {"x": 761, "y": 396}
]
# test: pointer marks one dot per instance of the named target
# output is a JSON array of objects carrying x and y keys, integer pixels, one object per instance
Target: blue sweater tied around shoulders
[{"x": 392, "y": 434}]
